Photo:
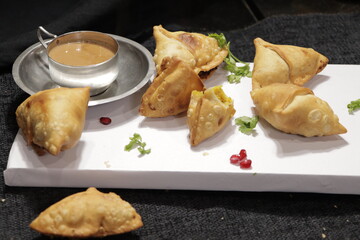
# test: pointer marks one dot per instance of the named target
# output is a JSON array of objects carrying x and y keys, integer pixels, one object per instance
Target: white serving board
[{"x": 281, "y": 162}]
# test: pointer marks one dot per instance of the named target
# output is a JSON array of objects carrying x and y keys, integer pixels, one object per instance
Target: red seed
[
  {"x": 105, "y": 120},
  {"x": 242, "y": 154},
  {"x": 235, "y": 159},
  {"x": 245, "y": 163}
]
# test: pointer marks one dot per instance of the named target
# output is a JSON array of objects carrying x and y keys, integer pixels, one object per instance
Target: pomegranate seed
[
  {"x": 235, "y": 159},
  {"x": 105, "y": 120},
  {"x": 245, "y": 163},
  {"x": 241, "y": 159},
  {"x": 242, "y": 154}
]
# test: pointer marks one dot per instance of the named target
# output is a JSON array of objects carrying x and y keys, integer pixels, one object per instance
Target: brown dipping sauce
[{"x": 80, "y": 54}]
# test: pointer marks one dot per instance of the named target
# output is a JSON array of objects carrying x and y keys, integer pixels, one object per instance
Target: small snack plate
[
  {"x": 31, "y": 72},
  {"x": 281, "y": 162}
]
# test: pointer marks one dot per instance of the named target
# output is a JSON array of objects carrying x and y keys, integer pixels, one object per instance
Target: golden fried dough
[
  {"x": 285, "y": 64},
  {"x": 208, "y": 113},
  {"x": 182, "y": 60},
  {"x": 202, "y": 53},
  {"x": 169, "y": 93},
  {"x": 53, "y": 120},
  {"x": 294, "y": 109},
  {"x": 88, "y": 214}
]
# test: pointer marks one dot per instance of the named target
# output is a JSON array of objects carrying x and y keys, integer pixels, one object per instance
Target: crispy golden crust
[
  {"x": 285, "y": 64},
  {"x": 296, "y": 110},
  {"x": 88, "y": 214},
  {"x": 53, "y": 119},
  {"x": 277, "y": 92},
  {"x": 208, "y": 113},
  {"x": 201, "y": 52},
  {"x": 182, "y": 60},
  {"x": 169, "y": 93}
]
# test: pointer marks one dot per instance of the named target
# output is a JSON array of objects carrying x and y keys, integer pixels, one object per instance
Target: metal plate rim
[{"x": 93, "y": 102}]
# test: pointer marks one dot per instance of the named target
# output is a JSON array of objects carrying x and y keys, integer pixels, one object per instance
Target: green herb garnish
[
  {"x": 246, "y": 124},
  {"x": 220, "y": 38},
  {"x": 136, "y": 140},
  {"x": 353, "y": 105},
  {"x": 236, "y": 72}
]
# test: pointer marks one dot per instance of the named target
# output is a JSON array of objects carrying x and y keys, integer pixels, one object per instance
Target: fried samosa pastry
[
  {"x": 88, "y": 214},
  {"x": 201, "y": 52},
  {"x": 169, "y": 93},
  {"x": 53, "y": 120},
  {"x": 208, "y": 113},
  {"x": 285, "y": 64},
  {"x": 296, "y": 110}
]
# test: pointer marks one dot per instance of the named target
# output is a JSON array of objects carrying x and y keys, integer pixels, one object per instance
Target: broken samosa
[{"x": 208, "y": 113}]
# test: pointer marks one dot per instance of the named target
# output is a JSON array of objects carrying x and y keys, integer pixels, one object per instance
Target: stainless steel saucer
[{"x": 31, "y": 72}]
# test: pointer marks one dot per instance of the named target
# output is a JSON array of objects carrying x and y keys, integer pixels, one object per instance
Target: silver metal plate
[{"x": 31, "y": 73}]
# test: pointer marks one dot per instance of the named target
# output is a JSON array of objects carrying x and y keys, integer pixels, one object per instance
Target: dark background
[
  {"x": 332, "y": 27},
  {"x": 134, "y": 19}
]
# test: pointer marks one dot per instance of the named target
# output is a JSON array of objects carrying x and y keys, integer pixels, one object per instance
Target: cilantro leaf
[
  {"x": 246, "y": 124},
  {"x": 136, "y": 140},
  {"x": 232, "y": 78},
  {"x": 236, "y": 72},
  {"x": 220, "y": 38},
  {"x": 353, "y": 105}
]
